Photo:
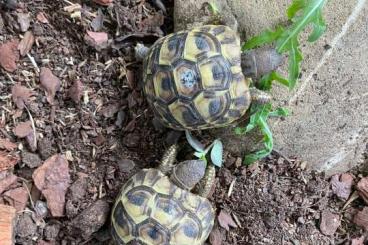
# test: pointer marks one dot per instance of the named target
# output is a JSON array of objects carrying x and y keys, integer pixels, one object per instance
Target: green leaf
[
  {"x": 296, "y": 6},
  {"x": 213, "y": 8},
  {"x": 319, "y": 27},
  {"x": 216, "y": 153},
  {"x": 265, "y": 37},
  {"x": 194, "y": 143},
  {"x": 295, "y": 58},
  {"x": 310, "y": 10},
  {"x": 266, "y": 81},
  {"x": 280, "y": 112}
]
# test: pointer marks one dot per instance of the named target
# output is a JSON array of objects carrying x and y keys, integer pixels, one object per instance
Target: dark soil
[{"x": 109, "y": 135}]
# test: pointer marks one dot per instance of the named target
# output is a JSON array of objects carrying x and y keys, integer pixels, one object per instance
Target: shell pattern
[
  {"x": 151, "y": 210},
  {"x": 193, "y": 79}
]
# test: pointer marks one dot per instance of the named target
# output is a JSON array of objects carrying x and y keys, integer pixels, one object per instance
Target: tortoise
[
  {"x": 199, "y": 78},
  {"x": 153, "y": 208}
]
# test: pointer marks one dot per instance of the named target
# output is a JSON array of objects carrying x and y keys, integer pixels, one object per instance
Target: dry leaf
[
  {"x": 341, "y": 185},
  {"x": 26, "y": 43},
  {"x": 53, "y": 180},
  {"x": 23, "y": 129},
  {"x": 7, "y": 161},
  {"x": 50, "y": 83},
  {"x": 362, "y": 187},
  {"x": 42, "y": 18},
  {"x": 6, "y": 144},
  {"x": 17, "y": 198},
  {"x": 98, "y": 40},
  {"x": 97, "y": 22},
  {"x": 76, "y": 91},
  {"x": 226, "y": 221},
  {"x": 24, "y": 21},
  {"x": 361, "y": 218},
  {"x": 103, "y": 2},
  {"x": 21, "y": 95},
  {"x": 7, "y": 182},
  {"x": 329, "y": 223},
  {"x": 9, "y": 55}
]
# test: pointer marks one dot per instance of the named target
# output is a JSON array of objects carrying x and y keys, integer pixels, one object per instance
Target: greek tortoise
[
  {"x": 199, "y": 78},
  {"x": 154, "y": 209}
]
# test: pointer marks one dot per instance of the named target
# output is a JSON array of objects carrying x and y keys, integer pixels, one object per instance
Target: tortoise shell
[
  {"x": 151, "y": 210},
  {"x": 193, "y": 79}
]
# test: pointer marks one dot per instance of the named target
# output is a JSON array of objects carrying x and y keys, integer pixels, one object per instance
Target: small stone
[
  {"x": 45, "y": 148},
  {"x": 91, "y": 219},
  {"x": 329, "y": 223},
  {"x": 362, "y": 187},
  {"x": 41, "y": 209},
  {"x": 361, "y": 218},
  {"x": 238, "y": 162},
  {"x": 17, "y": 198},
  {"x": 26, "y": 227},
  {"x": 120, "y": 119},
  {"x": 30, "y": 159},
  {"x": 131, "y": 140},
  {"x": 301, "y": 220},
  {"x": 52, "y": 231},
  {"x": 78, "y": 189},
  {"x": 126, "y": 165}
]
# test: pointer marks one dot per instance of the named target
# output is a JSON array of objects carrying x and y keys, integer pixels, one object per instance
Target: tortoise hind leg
[
  {"x": 168, "y": 159},
  {"x": 207, "y": 183}
]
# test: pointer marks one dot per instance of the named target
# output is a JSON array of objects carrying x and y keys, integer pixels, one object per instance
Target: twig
[
  {"x": 33, "y": 127},
  {"x": 10, "y": 78},
  {"x": 33, "y": 62}
]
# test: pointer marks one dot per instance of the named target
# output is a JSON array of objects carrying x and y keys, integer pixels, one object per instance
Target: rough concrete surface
[{"x": 328, "y": 127}]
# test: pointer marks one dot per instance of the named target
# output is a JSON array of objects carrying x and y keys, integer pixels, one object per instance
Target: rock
[
  {"x": 91, "y": 219},
  {"x": 78, "y": 189},
  {"x": 53, "y": 180},
  {"x": 329, "y": 223},
  {"x": 51, "y": 231},
  {"x": 362, "y": 188},
  {"x": 320, "y": 101},
  {"x": 7, "y": 223},
  {"x": 26, "y": 227},
  {"x": 341, "y": 185},
  {"x": 17, "y": 198},
  {"x": 45, "y": 148},
  {"x": 41, "y": 209},
  {"x": 7, "y": 181},
  {"x": 361, "y": 218},
  {"x": 30, "y": 159},
  {"x": 126, "y": 165}
]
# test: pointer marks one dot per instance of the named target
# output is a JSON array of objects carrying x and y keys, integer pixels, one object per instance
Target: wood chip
[
  {"x": 23, "y": 129},
  {"x": 50, "y": 83},
  {"x": 7, "y": 224},
  {"x": 7, "y": 161},
  {"x": 6, "y": 144},
  {"x": 341, "y": 185},
  {"x": 17, "y": 198},
  {"x": 76, "y": 91},
  {"x": 21, "y": 95},
  {"x": 329, "y": 223},
  {"x": 26, "y": 43},
  {"x": 41, "y": 17},
  {"x": 9, "y": 55},
  {"x": 362, "y": 187},
  {"x": 361, "y": 218}
]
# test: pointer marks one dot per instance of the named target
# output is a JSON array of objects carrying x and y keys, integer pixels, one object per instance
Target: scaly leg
[
  {"x": 207, "y": 182},
  {"x": 168, "y": 159}
]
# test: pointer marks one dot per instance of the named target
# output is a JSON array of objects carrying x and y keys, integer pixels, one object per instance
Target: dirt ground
[{"x": 99, "y": 119}]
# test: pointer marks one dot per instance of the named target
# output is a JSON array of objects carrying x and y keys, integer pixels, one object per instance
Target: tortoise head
[{"x": 188, "y": 173}]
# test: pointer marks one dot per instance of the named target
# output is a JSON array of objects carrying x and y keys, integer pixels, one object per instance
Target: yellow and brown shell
[
  {"x": 193, "y": 79},
  {"x": 151, "y": 210}
]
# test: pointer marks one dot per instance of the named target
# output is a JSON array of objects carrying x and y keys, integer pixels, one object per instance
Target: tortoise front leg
[
  {"x": 206, "y": 184},
  {"x": 168, "y": 159}
]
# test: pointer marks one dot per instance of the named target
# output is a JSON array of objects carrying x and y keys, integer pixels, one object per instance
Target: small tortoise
[
  {"x": 199, "y": 79},
  {"x": 154, "y": 209}
]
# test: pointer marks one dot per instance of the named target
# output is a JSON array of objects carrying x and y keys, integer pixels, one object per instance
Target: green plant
[
  {"x": 202, "y": 151},
  {"x": 301, "y": 13}
]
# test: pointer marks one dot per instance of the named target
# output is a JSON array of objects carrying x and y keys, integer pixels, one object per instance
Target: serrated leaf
[
  {"x": 216, "y": 153},
  {"x": 266, "y": 36},
  {"x": 279, "y": 112},
  {"x": 294, "y": 8},
  {"x": 266, "y": 81},
  {"x": 295, "y": 57},
  {"x": 213, "y": 8},
  {"x": 319, "y": 27},
  {"x": 193, "y": 142}
]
